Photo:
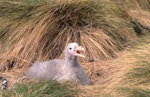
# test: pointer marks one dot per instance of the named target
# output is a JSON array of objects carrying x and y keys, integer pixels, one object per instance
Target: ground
[
  {"x": 115, "y": 73},
  {"x": 107, "y": 76}
]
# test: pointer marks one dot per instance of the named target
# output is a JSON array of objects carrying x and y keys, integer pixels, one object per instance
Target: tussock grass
[
  {"x": 139, "y": 13},
  {"x": 41, "y": 89},
  {"x": 40, "y": 30},
  {"x": 141, "y": 73},
  {"x": 141, "y": 18},
  {"x": 136, "y": 81},
  {"x": 135, "y": 4},
  {"x": 134, "y": 92},
  {"x": 126, "y": 76}
]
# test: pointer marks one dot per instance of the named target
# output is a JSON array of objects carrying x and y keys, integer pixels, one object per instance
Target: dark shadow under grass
[{"x": 41, "y": 89}]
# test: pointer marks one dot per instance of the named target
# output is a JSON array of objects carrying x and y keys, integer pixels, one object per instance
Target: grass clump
[
  {"x": 141, "y": 73},
  {"x": 141, "y": 20},
  {"x": 139, "y": 82},
  {"x": 134, "y": 92},
  {"x": 42, "y": 29},
  {"x": 135, "y": 4},
  {"x": 41, "y": 89},
  {"x": 139, "y": 13},
  {"x": 126, "y": 76},
  {"x": 136, "y": 81}
]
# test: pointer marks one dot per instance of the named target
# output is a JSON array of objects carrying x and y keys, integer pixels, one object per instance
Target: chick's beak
[{"x": 78, "y": 51}]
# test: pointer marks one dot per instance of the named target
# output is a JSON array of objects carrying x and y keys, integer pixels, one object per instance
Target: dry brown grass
[
  {"x": 140, "y": 16},
  {"x": 40, "y": 31},
  {"x": 135, "y": 4},
  {"x": 35, "y": 32},
  {"x": 111, "y": 78},
  {"x": 115, "y": 78}
]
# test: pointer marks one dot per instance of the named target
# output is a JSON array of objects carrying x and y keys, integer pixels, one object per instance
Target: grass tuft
[
  {"x": 41, "y": 30},
  {"x": 140, "y": 74},
  {"x": 134, "y": 92},
  {"x": 41, "y": 89}
]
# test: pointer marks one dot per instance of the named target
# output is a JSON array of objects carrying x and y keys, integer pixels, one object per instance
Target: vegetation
[
  {"x": 38, "y": 30},
  {"x": 126, "y": 76},
  {"x": 32, "y": 31},
  {"x": 41, "y": 89}
]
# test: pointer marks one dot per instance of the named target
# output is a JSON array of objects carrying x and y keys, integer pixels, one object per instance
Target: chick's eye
[{"x": 70, "y": 48}]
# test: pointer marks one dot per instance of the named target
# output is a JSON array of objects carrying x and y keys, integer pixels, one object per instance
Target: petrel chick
[{"x": 61, "y": 70}]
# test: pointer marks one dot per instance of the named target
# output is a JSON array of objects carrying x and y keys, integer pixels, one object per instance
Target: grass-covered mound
[
  {"x": 126, "y": 76},
  {"x": 40, "y": 30}
]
